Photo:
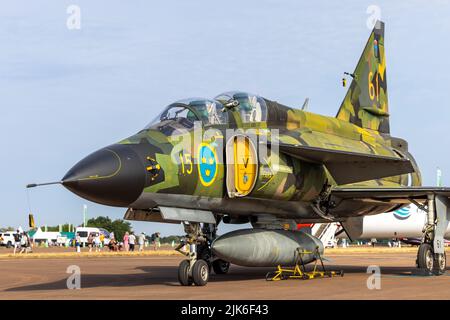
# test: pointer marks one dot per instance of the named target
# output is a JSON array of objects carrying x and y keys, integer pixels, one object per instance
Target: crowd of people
[
  {"x": 130, "y": 242},
  {"x": 95, "y": 241},
  {"x": 22, "y": 242}
]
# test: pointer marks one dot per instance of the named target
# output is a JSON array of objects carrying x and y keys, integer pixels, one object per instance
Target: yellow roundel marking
[{"x": 208, "y": 167}]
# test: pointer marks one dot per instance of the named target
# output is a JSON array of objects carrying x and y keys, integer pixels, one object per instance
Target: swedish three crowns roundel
[{"x": 207, "y": 164}]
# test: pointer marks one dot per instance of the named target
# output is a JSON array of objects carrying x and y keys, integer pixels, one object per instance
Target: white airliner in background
[{"x": 404, "y": 223}]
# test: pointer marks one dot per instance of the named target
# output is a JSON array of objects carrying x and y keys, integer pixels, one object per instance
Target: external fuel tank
[{"x": 265, "y": 247}]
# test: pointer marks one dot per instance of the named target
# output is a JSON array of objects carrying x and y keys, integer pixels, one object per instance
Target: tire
[
  {"x": 183, "y": 273},
  {"x": 204, "y": 253},
  {"x": 220, "y": 266},
  {"x": 200, "y": 273},
  {"x": 440, "y": 263},
  {"x": 9, "y": 244},
  {"x": 425, "y": 257}
]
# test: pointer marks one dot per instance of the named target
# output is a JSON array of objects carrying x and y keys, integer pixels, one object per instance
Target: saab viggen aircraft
[{"x": 242, "y": 158}]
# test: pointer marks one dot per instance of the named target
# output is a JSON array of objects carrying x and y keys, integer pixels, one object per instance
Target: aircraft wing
[
  {"x": 353, "y": 226},
  {"x": 389, "y": 194},
  {"x": 350, "y": 167}
]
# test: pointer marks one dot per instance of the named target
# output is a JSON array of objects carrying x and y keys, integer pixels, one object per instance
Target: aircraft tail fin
[{"x": 366, "y": 102}]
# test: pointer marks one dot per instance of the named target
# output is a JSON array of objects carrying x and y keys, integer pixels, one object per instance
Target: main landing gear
[
  {"x": 197, "y": 268},
  {"x": 431, "y": 256}
]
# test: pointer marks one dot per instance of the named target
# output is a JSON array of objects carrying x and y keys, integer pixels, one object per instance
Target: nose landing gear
[
  {"x": 193, "y": 270},
  {"x": 196, "y": 269}
]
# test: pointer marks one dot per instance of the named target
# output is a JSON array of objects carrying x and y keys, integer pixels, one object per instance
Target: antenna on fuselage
[
  {"x": 344, "y": 80},
  {"x": 305, "y": 104}
]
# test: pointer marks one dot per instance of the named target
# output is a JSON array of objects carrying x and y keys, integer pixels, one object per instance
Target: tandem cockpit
[{"x": 228, "y": 109}]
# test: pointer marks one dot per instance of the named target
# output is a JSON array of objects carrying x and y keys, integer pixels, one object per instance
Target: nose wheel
[
  {"x": 183, "y": 273},
  {"x": 198, "y": 274}
]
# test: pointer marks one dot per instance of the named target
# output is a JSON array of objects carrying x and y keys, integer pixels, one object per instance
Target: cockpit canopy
[
  {"x": 187, "y": 111},
  {"x": 250, "y": 107},
  {"x": 243, "y": 107}
]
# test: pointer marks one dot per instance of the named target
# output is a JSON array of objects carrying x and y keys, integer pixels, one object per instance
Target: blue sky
[{"x": 65, "y": 93}]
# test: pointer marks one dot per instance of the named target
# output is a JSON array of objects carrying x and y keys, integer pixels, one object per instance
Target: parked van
[{"x": 84, "y": 232}]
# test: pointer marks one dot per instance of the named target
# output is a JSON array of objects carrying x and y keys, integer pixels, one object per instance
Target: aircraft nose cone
[{"x": 113, "y": 176}]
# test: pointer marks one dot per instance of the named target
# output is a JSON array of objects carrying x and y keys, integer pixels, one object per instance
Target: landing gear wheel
[
  {"x": 425, "y": 257},
  {"x": 220, "y": 266},
  {"x": 204, "y": 253},
  {"x": 183, "y": 273},
  {"x": 440, "y": 263},
  {"x": 200, "y": 272}
]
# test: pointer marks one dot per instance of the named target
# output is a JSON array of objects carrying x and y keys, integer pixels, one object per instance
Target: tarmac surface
[{"x": 155, "y": 277}]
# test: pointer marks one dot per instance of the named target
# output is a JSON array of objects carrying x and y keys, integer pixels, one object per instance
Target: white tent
[{"x": 46, "y": 236}]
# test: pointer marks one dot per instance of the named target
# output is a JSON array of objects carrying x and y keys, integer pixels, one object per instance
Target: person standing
[
  {"x": 157, "y": 241},
  {"x": 126, "y": 238},
  {"x": 78, "y": 243},
  {"x": 23, "y": 243},
  {"x": 102, "y": 240},
  {"x": 373, "y": 242},
  {"x": 97, "y": 242},
  {"x": 17, "y": 240},
  {"x": 141, "y": 241},
  {"x": 90, "y": 241},
  {"x": 132, "y": 240},
  {"x": 28, "y": 244}
]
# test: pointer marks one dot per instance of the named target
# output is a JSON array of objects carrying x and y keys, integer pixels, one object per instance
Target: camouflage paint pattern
[
  {"x": 366, "y": 102},
  {"x": 196, "y": 167}
]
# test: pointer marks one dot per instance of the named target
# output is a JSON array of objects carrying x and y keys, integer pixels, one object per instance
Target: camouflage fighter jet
[{"x": 242, "y": 158}]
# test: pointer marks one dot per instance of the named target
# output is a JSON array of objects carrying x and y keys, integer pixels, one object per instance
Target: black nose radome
[{"x": 113, "y": 176}]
